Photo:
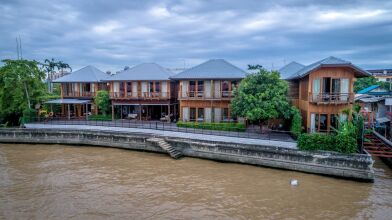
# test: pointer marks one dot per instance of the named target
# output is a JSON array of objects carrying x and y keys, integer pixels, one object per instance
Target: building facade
[
  {"x": 205, "y": 91},
  {"x": 322, "y": 91},
  {"x": 143, "y": 92},
  {"x": 78, "y": 90},
  {"x": 383, "y": 75}
]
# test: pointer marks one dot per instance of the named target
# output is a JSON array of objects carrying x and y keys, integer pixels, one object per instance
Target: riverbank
[{"x": 355, "y": 166}]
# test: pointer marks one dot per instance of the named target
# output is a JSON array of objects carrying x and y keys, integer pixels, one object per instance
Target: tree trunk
[{"x": 261, "y": 126}]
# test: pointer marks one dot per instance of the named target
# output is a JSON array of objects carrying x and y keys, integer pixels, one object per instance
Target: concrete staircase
[{"x": 175, "y": 154}]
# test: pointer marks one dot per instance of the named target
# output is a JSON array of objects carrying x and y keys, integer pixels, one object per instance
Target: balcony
[
  {"x": 202, "y": 96},
  {"x": 331, "y": 98},
  {"x": 144, "y": 95},
  {"x": 79, "y": 94}
]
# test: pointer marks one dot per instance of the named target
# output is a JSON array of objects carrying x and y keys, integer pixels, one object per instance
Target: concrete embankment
[{"x": 356, "y": 166}]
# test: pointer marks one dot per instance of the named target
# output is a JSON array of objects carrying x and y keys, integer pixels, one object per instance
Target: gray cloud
[{"x": 113, "y": 34}]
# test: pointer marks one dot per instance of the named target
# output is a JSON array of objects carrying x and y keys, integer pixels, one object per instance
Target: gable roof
[
  {"x": 144, "y": 71},
  {"x": 86, "y": 74},
  {"x": 212, "y": 69},
  {"x": 327, "y": 62},
  {"x": 289, "y": 69}
]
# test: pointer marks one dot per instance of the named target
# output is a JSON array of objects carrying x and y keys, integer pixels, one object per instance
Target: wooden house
[
  {"x": 205, "y": 91},
  {"x": 322, "y": 90},
  {"x": 143, "y": 92},
  {"x": 78, "y": 89}
]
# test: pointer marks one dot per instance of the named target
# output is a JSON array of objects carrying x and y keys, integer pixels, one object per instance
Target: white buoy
[{"x": 294, "y": 182}]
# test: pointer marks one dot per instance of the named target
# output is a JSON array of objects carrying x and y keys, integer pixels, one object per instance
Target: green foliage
[
  {"x": 100, "y": 117},
  {"x": 28, "y": 115},
  {"x": 296, "y": 122},
  {"x": 261, "y": 96},
  {"x": 21, "y": 87},
  {"x": 102, "y": 100},
  {"x": 213, "y": 126},
  {"x": 344, "y": 141},
  {"x": 363, "y": 83}
]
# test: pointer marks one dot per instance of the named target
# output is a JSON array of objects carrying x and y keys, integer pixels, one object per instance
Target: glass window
[
  {"x": 200, "y": 88},
  {"x": 200, "y": 114},
  {"x": 225, "y": 88},
  {"x": 192, "y": 114},
  {"x": 129, "y": 87},
  {"x": 151, "y": 85},
  {"x": 192, "y": 88},
  {"x": 225, "y": 114},
  {"x": 87, "y": 87},
  {"x": 334, "y": 120},
  {"x": 157, "y": 87},
  {"x": 323, "y": 122}
]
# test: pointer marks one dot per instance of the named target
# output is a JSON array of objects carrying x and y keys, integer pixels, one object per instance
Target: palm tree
[{"x": 61, "y": 66}]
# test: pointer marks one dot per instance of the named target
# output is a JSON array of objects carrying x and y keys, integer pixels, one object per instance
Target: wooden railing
[
  {"x": 331, "y": 98},
  {"x": 144, "y": 95},
  {"x": 202, "y": 95},
  {"x": 79, "y": 94}
]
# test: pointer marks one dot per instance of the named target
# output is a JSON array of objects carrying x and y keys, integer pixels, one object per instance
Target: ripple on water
[{"x": 57, "y": 182}]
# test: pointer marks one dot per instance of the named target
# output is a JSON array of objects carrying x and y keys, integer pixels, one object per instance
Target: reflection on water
[{"x": 57, "y": 182}]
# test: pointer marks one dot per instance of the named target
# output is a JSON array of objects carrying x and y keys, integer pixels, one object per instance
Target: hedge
[
  {"x": 329, "y": 142},
  {"x": 213, "y": 126},
  {"x": 100, "y": 117}
]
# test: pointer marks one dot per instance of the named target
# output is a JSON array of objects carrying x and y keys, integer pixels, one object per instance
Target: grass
[{"x": 100, "y": 117}]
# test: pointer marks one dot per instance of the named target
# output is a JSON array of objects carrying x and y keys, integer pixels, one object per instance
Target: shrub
[
  {"x": 213, "y": 126},
  {"x": 296, "y": 122},
  {"x": 102, "y": 100},
  {"x": 340, "y": 142},
  {"x": 100, "y": 117},
  {"x": 28, "y": 115}
]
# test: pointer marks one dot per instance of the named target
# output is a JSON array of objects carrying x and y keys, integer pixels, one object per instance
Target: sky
[{"x": 111, "y": 34}]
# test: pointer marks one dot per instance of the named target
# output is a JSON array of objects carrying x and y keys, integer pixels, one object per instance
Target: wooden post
[
  {"x": 140, "y": 112},
  {"x": 69, "y": 112}
]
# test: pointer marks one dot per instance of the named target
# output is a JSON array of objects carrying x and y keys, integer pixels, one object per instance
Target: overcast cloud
[{"x": 113, "y": 34}]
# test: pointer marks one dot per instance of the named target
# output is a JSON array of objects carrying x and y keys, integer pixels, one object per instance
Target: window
[
  {"x": 129, "y": 88},
  {"x": 192, "y": 88},
  {"x": 157, "y": 87},
  {"x": 334, "y": 120},
  {"x": 122, "y": 85},
  {"x": 151, "y": 86},
  {"x": 200, "y": 88},
  {"x": 192, "y": 114},
  {"x": 200, "y": 114},
  {"x": 323, "y": 122},
  {"x": 225, "y": 114},
  {"x": 225, "y": 88},
  {"x": 87, "y": 87}
]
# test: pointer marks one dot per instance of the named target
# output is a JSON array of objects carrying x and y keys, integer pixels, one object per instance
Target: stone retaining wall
[{"x": 356, "y": 166}]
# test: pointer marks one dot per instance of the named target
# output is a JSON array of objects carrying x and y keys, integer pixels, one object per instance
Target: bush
[
  {"x": 213, "y": 126},
  {"x": 100, "y": 117},
  {"x": 296, "y": 122},
  {"x": 28, "y": 115},
  {"x": 340, "y": 142}
]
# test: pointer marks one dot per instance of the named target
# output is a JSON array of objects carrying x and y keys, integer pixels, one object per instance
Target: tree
[
  {"x": 21, "y": 88},
  {"x": 102, "y": 100},
  {"x": 363, "y": 83},
  {"x": 262, "y": 95},
  {"x": 296, "y": 122}
]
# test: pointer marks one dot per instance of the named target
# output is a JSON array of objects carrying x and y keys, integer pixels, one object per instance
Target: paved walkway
[{"x": 237, "y": 140}]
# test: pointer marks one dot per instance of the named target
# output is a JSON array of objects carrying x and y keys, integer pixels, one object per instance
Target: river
[{"x": 58, "y": 182}]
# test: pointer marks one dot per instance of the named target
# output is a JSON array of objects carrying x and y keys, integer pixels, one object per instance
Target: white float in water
[{"x": 294, "y": 182}]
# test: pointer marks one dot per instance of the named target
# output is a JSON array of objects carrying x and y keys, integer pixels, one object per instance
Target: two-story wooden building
[
  {"x": 322, "y": 90},
  {"x": 143, "y": 92},
  {"x": 78, "y": 89},
  {"x": 205, "y": 91}
]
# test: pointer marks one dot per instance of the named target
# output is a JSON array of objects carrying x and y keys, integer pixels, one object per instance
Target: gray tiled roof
[
  {"x": 144, "y": 71},
  {"x": 86, "y": 74},
  {"x": 212, "y": 69},
  {"x": 289, "y": 69},
  {"x": 329, "y": 61}
]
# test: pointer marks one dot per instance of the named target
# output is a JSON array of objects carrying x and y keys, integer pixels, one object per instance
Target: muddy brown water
[{"x": 61, "y": 182}]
